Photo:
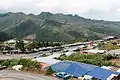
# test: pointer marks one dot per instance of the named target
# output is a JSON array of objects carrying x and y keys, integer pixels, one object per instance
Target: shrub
[
  {"x": 96, "y": 59},
  {"x": 50, "y": 71},
  {"x": 10, "y": 63},
  {"x": 28, "y": 64}
]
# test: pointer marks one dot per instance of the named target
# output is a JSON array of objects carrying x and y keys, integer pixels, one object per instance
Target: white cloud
[{"x": 99, "y": 9}]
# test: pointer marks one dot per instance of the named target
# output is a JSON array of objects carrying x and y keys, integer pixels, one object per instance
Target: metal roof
[
  {"x": 75, "y": 68},
  {"x": 101, "y": 73}
]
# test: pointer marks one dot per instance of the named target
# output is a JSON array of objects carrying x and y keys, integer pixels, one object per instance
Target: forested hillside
[{"x": 56, "y": 27}]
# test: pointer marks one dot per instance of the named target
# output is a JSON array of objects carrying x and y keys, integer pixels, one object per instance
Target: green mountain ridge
[{"x": 56, "y": 27}]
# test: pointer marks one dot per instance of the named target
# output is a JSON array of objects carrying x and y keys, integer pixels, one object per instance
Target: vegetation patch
[
  {"x": 95, "y": 59},
  {"x": 49, "y": 71},
  {"x": 28, "y": 64},
  {"x": 37, "y": 44}
]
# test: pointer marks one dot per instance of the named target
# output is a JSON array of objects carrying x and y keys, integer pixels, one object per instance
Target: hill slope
[{"x": 56, "y": 27}]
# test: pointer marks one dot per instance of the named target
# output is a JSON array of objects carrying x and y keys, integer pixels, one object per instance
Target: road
[
  {"x": 16, "y": 75},
  {"x": 18, "y": 56}
]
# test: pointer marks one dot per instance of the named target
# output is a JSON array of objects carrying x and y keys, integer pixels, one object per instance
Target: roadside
[
  {"x": 18, "y": 56},
  {"x": 18, "y": 75}
]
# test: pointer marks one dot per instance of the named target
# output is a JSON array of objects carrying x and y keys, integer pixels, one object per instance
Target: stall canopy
[{"x": 101, "y": 73}]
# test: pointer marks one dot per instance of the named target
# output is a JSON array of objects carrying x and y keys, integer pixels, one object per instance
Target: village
[{"x": 59, "y": 58}]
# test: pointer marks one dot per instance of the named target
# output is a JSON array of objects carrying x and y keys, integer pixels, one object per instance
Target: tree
[
  {"x": 4, "y": 36},
  {"x": 32, "y": 45},
  {"x": 20, "y": 45}
]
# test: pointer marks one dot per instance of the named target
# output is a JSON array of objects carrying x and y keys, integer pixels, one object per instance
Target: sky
[{"x": 94, "y": 9}]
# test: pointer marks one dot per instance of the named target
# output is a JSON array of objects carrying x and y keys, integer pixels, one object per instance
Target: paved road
[
  {"x": 18, "y": 56},
  {"x": 15, "y": 75}
]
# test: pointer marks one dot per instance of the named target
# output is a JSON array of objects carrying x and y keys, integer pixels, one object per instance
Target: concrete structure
[
  {"x": 49, "y": 59},
  {"x": 94, "y": 51}
]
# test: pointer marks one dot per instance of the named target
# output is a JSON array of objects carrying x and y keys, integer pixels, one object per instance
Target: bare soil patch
[{"x": 117, "y": 61}]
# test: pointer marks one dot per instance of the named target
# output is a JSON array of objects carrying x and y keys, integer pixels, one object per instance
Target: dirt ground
[
  {"x": 117, "y": 61},
  {"x": 2, "y": 78},
  {"x": 19, "y": 75}
]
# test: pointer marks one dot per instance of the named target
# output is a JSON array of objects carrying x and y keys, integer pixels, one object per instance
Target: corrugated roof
[
  {"x": 75, "y": 68},
  {"x": 78, "y": 69},
  {"x": 89, "y": 67},
  {"x": 60, "y": 66},
  {"x": 101, "y": 73}
]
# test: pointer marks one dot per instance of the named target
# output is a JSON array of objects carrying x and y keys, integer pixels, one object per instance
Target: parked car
[{"x": 63, "y": 75}]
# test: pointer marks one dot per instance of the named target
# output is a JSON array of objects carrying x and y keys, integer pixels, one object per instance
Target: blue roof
[
  {"x": 60, "y": 66},
  {"x": 89, "y": 67},
  {"x": 101, "y": 73},
  {"x": 75, "y": 68}
]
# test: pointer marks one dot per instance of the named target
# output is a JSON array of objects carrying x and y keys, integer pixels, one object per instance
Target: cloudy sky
[{"x": 95, "y": 9}]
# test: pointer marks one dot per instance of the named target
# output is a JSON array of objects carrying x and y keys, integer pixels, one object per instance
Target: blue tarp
[
  {"x": 101, "y": 73},
  {"x": 75, "y": 68}
]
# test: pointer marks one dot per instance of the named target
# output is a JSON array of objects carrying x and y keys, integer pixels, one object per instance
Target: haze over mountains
[
  {"x": 2, "y": 11},
  {"x": 56, "y": 27}
]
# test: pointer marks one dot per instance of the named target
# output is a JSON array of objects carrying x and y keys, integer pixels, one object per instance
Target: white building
[
  {"x": 94, "y": 51},
  {"x": 13, "y": 41}
]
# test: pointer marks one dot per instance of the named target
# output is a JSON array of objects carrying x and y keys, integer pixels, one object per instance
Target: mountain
[
  {"x": 2, "y": 11},
  {"x": 56, "y": 27},
  {"x": 5, "y": 37}
]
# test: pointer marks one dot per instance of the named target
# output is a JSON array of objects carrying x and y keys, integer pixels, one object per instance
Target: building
[
  {"x": 78, "y": 70},
  {"x": 116, "y": 69},
  {"x": 93, "y": 51},
  {"x": 114, "y": 52},
  {"x": 110, "y": 38},
  {"x": 13, "y": 41},
  {"x": 74, "y": 68},
  {"x": 102, "y": 74}
]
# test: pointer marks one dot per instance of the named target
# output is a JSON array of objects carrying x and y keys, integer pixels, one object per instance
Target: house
[
  {"x": 78, "y": 70},
  {"x": 110, "y": 38},
  {"x": 13, "y": 41},
  {"x": 102, "y": 74},
  {"x": 74, "y": 68}
]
